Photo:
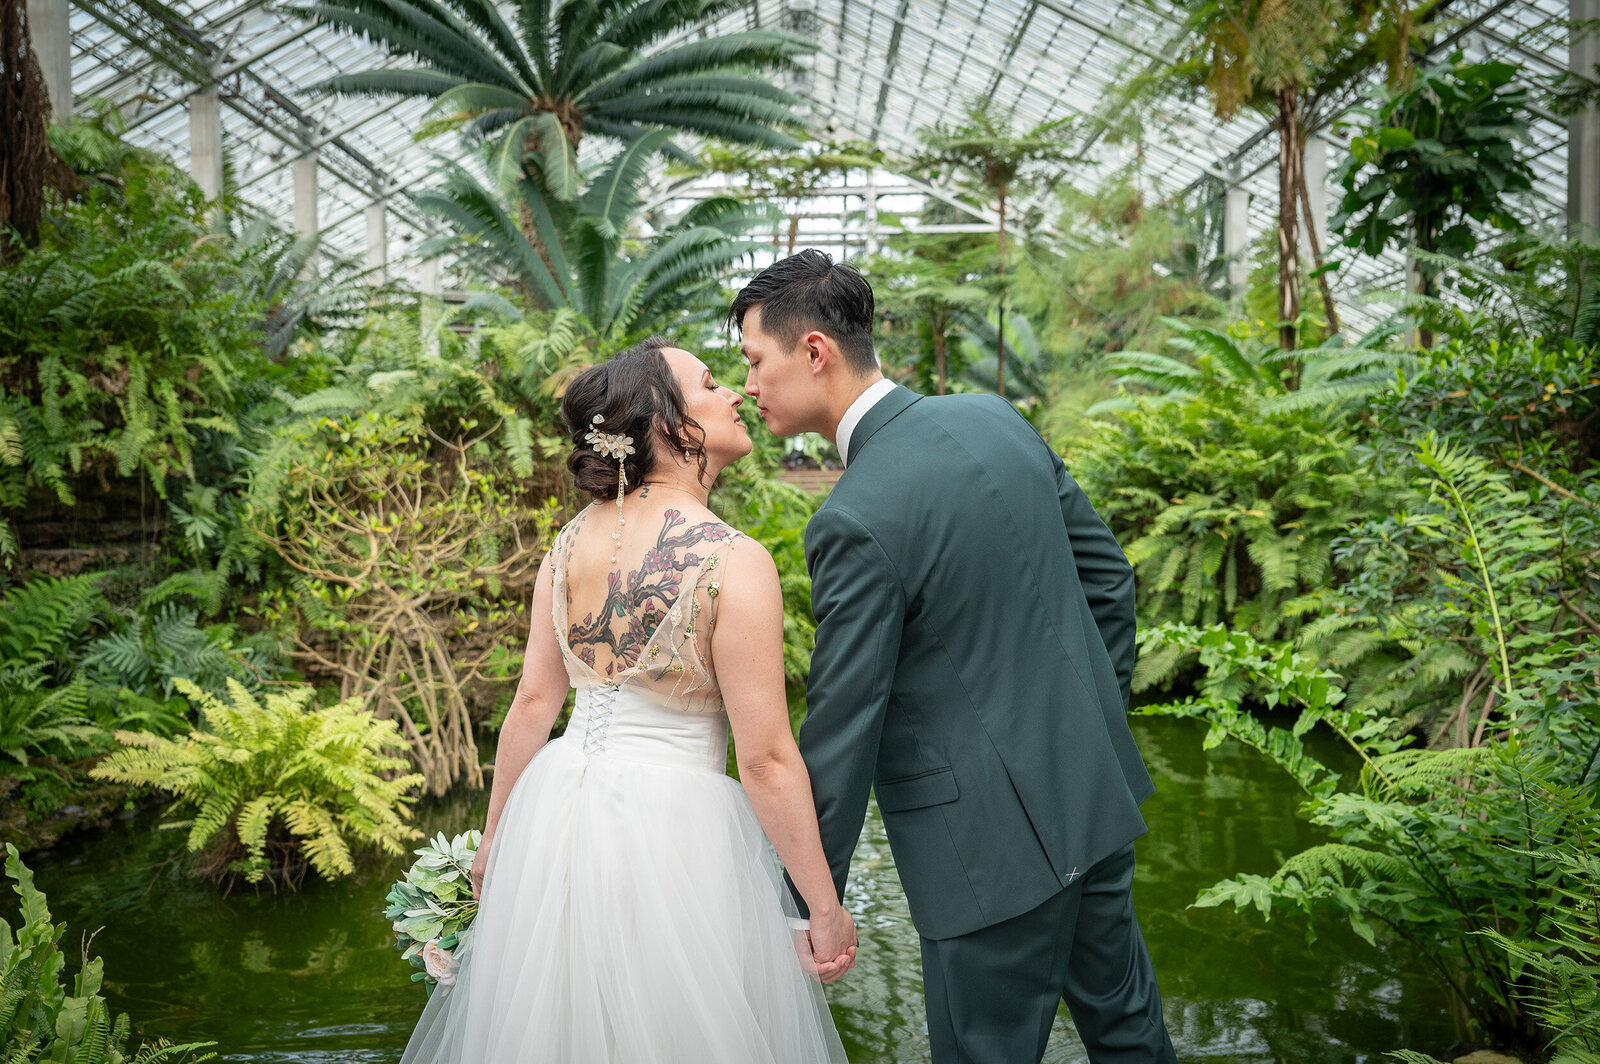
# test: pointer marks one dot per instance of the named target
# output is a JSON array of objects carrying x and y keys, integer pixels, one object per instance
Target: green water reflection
[{"x": 313, "y": 977}]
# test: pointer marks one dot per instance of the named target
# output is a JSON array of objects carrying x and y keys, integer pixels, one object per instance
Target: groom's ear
[{"x": 819, "y": 350}]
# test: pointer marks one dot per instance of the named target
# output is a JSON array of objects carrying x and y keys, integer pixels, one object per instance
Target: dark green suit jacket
[{"x": 974, "y": 649}]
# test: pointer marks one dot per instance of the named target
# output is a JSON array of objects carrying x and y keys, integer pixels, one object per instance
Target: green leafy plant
[
  {"x": 996, "y": 163},
  {"x": 1562, "y": 982},
  {"x": 1225, "y": 513},
  {"x": 1136, "y": 262},
  {"x": 561, "y": 71},
  {"x": 122, "y": 337},
  {"x": 582, "y": 254},
  {"x": 775, "y": 514},
  {"x": 39, "y": 1020},
  {"x": 786, "y": 177},
  {"x": 927, "y": 287},
  {"x": 1322, "y": 375},
  {"x": 1447, "y": 598},
  {"x": 168, "y": 644},
  {"x": 1426, "y": 842},
  {"x": 1435, "y": 161},
  {"x": 46, "y": 706},
  {"x": 275, "y": 784},
  {"x": 401, "y": 542}
]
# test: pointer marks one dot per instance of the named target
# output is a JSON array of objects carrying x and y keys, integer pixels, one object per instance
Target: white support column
[
  {"x": 1317, "y": 192},
  {"x": 305, "y": 194},
  {"x": 1236, "y": 240},
  {"x": 1583, "y": 129},
  {"x": 50, "y": 34},
  {"x": 429, "y": 303},
  {"x": 872, "y": 211},
  {"x": 377, "y": 218},
  {"x": 205, "y": 142}
]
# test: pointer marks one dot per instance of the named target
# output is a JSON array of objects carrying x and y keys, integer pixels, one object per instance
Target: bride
[{"x": 630, "y": 910}]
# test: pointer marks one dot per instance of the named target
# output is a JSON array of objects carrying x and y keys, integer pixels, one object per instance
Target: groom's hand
[{"x": 833, "y": 943}]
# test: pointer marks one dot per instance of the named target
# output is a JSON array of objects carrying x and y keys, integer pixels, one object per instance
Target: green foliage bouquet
[{"x": 432, "y": 907}]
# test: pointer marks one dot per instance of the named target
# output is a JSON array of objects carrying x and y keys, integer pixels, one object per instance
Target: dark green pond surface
[{"x": 314, "y": 976}]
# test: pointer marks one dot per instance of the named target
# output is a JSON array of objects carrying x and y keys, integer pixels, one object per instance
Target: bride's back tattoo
[{"x": 638, "y": 601}]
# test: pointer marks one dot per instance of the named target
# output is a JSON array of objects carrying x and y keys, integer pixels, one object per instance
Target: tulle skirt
[{"x": 632, "y": 913}]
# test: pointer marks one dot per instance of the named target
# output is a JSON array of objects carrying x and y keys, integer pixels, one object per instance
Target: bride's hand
[
  {"x": 480, "y": 865},
  {"x": 833, "y": 943}
]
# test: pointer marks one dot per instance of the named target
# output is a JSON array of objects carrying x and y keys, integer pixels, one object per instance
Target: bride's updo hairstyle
[{"x": 638, "y": 396}]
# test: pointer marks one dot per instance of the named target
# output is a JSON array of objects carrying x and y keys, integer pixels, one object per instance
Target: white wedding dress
[{"x": 632, "y": 910}]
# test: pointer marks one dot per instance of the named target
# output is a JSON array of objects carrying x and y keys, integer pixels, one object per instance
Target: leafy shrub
[
  {"x": 1226, "y": 514},
  {"x": 401, "y": 544},
  {"x": 39, "y": 1019},
  {"x": 1436, "y": 846},
  {"x": 1469, "y": 581},
  {"x": 273, "y": 782},
  {"x": 120, "y": 338},
  {"x": 168, "y": 644},
  {"x": 46, "y": 707},
  {"x": 1528, "y": 398},
  {"x": 775, "y": 514}
]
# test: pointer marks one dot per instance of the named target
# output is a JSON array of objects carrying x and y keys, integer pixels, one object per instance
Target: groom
[{"x": 974, "y": 649}]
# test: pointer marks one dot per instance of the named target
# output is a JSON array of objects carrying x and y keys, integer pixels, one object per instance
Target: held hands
[
  {"x": 480, "y": 865},
  {"x": 832, "y": 941}
]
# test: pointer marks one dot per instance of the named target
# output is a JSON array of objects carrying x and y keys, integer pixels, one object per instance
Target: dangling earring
[{"x": 613, "y": 445}]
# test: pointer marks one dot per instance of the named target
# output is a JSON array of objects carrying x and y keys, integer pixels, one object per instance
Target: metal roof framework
[{"x": 884, "y": 71}]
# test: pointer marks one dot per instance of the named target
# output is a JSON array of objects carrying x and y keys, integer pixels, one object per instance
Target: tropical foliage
[
  {"x": 40, "y": 1019},
  {"x": 399, "y": 554},
  {"x": 275, "y": 784},
  {"x": 579, "y": 253},
  {"x": 561, "y": 70},
  {"x": 996, "y": 163},
  {"x": 1425, "y": 841},
  {"x": 1436, "y": 162},
  {"x": 1285, "y": 60},
  {"x": 1227, "y": 495},
  {"x": 121, "y": 338}
]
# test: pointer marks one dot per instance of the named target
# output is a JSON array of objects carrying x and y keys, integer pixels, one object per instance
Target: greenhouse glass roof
[{"x": 884, "y": 70}]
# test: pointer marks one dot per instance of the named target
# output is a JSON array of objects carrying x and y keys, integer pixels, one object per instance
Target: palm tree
[
  {"x": 1284, "y": 57},
  {"x": 570, "y": 68},
  {"x": 581, "y": 259},
  {"x": 927, "y": 280},
  {"x": 24, "y": 145},
  {"x": 789, "y": 177},
  {"x": 996, "y": 164}
]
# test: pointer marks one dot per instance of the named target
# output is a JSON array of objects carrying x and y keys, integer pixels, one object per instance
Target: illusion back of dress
[{"x": 636, "y": 636}]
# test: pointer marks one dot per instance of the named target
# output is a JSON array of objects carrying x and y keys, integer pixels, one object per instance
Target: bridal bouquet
[{"x": 432, "y": 907}]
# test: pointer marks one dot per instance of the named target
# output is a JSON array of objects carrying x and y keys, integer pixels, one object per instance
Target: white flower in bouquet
[{"x": 432, "y": 907}]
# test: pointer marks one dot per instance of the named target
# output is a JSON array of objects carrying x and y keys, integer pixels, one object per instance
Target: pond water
[{"x": 313, "y": 976}]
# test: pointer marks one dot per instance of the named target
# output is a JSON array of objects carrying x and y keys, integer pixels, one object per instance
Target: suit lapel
[{"x": 884, "y": 411}]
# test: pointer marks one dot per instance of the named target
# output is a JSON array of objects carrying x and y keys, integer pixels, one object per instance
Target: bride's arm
[
  {"x": 747, "y": 649},
  {"x": 541, "y": 693}
]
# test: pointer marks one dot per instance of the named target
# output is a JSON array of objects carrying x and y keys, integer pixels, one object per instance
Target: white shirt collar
[{"x": 858, "y": 410}]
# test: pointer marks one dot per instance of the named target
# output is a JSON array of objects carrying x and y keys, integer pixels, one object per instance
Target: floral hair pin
[{"x": 612, "y": 445}]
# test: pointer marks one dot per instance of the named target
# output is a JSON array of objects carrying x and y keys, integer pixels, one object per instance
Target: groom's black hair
[{"x": 810, "y": 291}]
